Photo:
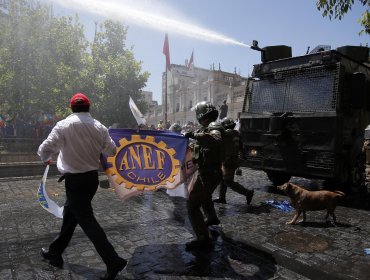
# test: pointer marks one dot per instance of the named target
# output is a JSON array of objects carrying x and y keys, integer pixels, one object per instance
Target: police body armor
[
  {"x": 232, "y": 148},
  {"x": 208, "y": 151}
]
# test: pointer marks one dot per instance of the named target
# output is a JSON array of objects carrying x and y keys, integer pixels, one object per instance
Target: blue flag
[{"x": 146, "y": 160}]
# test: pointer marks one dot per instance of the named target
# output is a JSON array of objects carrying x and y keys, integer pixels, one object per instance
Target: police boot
[
  {"x": 222, "y": 194},
  {"x": 212, "y": 221},
  {"x": 220, "y": 200},
  {"x": 249, "y": 196},
  {"x": 199, "y": 244}
]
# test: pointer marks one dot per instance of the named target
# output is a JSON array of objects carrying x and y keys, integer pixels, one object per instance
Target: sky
[{"x": 218, "y": 31}]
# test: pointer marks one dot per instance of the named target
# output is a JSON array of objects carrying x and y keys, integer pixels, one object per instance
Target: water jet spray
[{"x": 124, "y": 10}]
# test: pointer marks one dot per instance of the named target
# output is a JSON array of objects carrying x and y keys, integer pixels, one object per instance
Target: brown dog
[{"x": 304, "y": 200}]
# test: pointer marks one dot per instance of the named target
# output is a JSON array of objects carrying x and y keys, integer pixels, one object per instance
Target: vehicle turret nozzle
[{"x": 255, "y": 46}]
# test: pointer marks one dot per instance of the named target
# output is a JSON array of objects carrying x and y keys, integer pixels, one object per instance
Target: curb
[
  {"x": 25, "y": 169},
  {"x": 283, "y": 258}
]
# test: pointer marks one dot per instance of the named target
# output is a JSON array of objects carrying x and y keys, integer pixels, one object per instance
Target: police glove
[{"x": 189, "y": 134}]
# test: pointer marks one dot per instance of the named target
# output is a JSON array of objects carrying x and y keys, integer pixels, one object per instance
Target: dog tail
[{"x": 339, "y": 193}]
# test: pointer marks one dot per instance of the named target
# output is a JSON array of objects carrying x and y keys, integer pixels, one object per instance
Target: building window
[
  {"x": 190, "y": 104},
  {"x": 177, "y": 107}
]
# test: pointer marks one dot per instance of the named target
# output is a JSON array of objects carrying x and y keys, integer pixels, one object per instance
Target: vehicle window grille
[
  {"x": 321, "y": 160},
  {"x": 312, "y": 89}
]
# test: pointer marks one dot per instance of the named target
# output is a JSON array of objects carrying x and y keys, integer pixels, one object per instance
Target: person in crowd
[
  {"x": 9, "y": 128},
  {"x": 223, "y": 110},
  {"x": 231, "y": 162},
  {"x": 168, "y": 125},
  {"x": 160, "y": 125},
  {"x": 143, "y": 126},
  {"x": 19, "y": 127},
  {"x": 207, "y": 154},
  {"x": 2, "y": 125},
  {"x": 80, "y": 139}
]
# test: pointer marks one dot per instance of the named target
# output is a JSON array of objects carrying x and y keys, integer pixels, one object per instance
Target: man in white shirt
[{"x": 79, "y": 139}]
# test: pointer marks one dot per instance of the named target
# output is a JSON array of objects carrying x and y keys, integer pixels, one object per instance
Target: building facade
[{"x": 186, "y": 87}]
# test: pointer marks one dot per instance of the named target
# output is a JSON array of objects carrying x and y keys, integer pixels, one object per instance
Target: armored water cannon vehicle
[{"x": 306, "y": 115}]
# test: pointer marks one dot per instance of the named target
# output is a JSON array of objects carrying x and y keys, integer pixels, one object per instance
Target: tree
[
  {"x": 40, "y": 58},
  {"x": 44, "y": 59},
  {"x": 338, "y": 8},
  {"x": 117, "y": 75},
  {"x": 66, "y": 61}
]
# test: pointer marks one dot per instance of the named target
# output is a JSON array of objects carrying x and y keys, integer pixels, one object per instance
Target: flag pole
[
  {"x": 166, "y": 52},
  {"x": 165, "y": 99}
]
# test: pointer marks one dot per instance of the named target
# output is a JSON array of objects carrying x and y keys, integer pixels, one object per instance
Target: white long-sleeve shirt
[{"x": 79, "y": 139}]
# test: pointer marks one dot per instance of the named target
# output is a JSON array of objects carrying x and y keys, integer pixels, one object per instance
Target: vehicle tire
[{"x": 277, "y": 178}]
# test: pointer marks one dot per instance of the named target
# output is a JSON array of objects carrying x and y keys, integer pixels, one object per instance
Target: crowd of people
[
  {"x": 41, "y": 124},
  {"x": 38, "y": 125},
  {"x": 162, "y": 125}
]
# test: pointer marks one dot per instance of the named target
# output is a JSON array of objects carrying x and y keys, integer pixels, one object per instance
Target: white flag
[
  {"x": 46, "y": 203},
  {"x": 237, "y": 126},
  {"x": 136, "y": 112}
]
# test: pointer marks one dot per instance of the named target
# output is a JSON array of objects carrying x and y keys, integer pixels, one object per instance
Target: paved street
[{"x": 151, "y": 230}]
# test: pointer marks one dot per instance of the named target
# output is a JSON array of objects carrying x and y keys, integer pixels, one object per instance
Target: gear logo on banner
[{"x": 143, "y": 164}]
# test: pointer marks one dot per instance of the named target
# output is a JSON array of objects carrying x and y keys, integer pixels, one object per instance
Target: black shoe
[
  {"x": 54, "y": 259},
  {"x": 220, "y": 200},
  {"x": 249, "y": 196},
  {"x": 212, "y": 222},
  {"x": 199, "y": 244},
  {"x": 114, "y": 269}
]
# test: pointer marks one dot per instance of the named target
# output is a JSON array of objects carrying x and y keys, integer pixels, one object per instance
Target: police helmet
[
  {"x": 175, "y": 128},
  {"x": 216, "y": 126},
  {"x": 228, "y": 123},
  {"x": 205, "y": 110}
]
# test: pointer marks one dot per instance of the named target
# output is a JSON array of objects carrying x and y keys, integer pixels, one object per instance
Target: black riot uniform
[
  {"x": 206, "y": 153},
  {"x": 231, "y": 163}
]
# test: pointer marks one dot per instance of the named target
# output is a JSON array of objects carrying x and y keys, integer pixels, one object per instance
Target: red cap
[{"x": 79, "y": 99}]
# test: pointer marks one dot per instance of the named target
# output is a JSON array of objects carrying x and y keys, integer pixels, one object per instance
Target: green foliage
[
  {"x": 338, "y": 8},
  {"x": 45, "y": 59},
  {"x": 117, "y": 75}
]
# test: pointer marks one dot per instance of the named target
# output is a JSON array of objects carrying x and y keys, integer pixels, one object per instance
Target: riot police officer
[
  {"x": 206, "y": 153},
  {"x": 366, "y": 151},
  {"x": 175, "y": 128},
  {"x": 231, "y": 163}
]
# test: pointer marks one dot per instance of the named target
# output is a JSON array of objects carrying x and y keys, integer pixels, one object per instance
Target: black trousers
[
  {"x": 201, "y": 198},
  {"x": 80, "y": 190},
  {"x": 228, "y": 172}
]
